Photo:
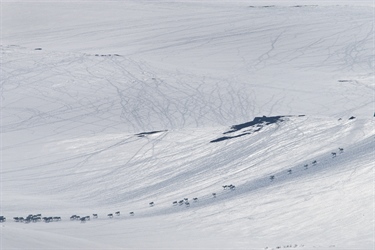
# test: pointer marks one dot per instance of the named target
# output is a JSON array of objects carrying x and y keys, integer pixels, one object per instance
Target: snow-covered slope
[{"x": 109, "y": 106}]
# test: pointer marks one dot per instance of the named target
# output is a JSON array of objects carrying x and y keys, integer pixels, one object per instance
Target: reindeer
[
  {"x": 214, "y": 195},
  {"x": 151, "y": 204},
  {"x": 341, "y": 150},
  {"x": 289, "y": 171},
  {"x": 95, "y": 216},
  {"x": 272, "y": 177},
  {"x": 110, "y": 215},
  {"x": 118, "y": 213},
  {"x": 47, "y": 219},
  {"x": 333, "y": 154},
  {"x": 131, "y": 213},
  {"x": 74, "y": 217},
  {"x": 195, "y": 199},
  {"x": 83, "y": 219},
  {"x": 36, "y": 218},
  {"x": 174, "y": 203},
  {"x": 187, "y": 204},
  {"x": 314, "y": 162},
  {"x": 57, "y": 218},
  {"x": 2, "y": 219},
  {"x": 181, "y": 202}
]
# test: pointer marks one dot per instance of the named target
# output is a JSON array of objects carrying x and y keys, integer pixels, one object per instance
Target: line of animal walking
[
  {"x": 306, "y": 166},
  {"x": 185, "y": 201},
  {"x": 32, "y": 218},
  {"x": 83, "y": 219},
  {"x": 38, "y": 218}
]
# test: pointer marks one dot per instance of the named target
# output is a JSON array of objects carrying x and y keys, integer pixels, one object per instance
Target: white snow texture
[{"x": 109, "y": 105}]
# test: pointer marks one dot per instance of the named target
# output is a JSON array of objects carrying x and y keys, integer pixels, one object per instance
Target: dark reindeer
[
  {"x": 56, "y": 218},
  {"x": 2, "y": 219},
  {"x": 74, "y": 217},
  {"x": 47, "y": 219},
  {"x": 36, "y": 218}
]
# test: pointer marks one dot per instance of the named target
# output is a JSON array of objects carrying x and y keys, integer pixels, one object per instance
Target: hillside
[{"x": 107, "y": 107}]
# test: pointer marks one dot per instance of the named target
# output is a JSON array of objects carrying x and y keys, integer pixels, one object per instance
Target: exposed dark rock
[
  {"x": 149, "y": 133},
  {"x": 254, "y": 126}
]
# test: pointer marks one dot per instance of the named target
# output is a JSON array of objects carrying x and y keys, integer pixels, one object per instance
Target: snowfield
[{"x": 108, "y": 106}]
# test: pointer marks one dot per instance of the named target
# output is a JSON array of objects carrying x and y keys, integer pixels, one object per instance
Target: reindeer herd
[
  {"x": 38, "y": 217},
  {"x": 306, "y": 166},
  {"x": 185, "y": 201},
  {"x": 83, "y": 219},
  {"x": 33, "y": 218}
]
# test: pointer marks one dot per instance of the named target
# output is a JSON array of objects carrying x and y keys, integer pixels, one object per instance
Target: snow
[{"x": 108, "y": 106}]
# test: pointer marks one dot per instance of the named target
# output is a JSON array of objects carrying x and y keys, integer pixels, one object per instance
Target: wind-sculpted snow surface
[
  {"x": 183, "y": 64},
  {"x": 109, "y": 108},
  {"x": 325, "y": 204}
]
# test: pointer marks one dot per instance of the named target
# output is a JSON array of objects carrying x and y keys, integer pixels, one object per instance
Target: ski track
[{"x": 118, "y": 107}]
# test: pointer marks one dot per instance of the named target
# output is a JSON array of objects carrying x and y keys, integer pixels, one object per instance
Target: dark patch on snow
[
  {"x": 264, "y": 6},
  {"x": 271, "y": 6},
  {"x": 107, "y": 55},
  {"x": 300, "y": 6},
  {"x": 254, "y": 126},
  {"x": 352, "y": 118},
  {"x": 258, "y": 121},
  {"x": 38, "y": 49},
  {"x": 344, "y": 80},
  {"x": 149, "y": 133}
]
